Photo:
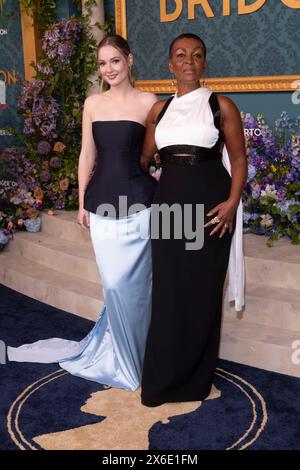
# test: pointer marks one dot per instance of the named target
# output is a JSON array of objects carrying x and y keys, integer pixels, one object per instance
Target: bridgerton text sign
[{"x": 252, "y": 44}]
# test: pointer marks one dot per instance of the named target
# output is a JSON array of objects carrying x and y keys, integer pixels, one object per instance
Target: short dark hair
[{"x": 187, "y": 36}]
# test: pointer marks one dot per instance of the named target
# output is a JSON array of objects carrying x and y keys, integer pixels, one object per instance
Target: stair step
[
  {"x": 83, "y": 298},
  {"x": 278, "y": 266},
  {"x": 260, "y": 346},
  {"x": 283, "y": 250},
  {"x": 269, "y": 306},
  {"x": 58, "y": 254},
  {"x": 272, "y": 272},
  {"x": 64, "y": 274},
  {"x": 269, "y": 266},
  {"x": 64, "y": 225}
]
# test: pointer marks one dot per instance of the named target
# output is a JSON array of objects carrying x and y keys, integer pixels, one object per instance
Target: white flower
[
  {"x": 15, "y": 200},
  {"x": 266, "y": 220},
  {"x": 269, "y": 191}
]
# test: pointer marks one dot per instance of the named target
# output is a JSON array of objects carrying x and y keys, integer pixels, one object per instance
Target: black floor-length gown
[{"x": 183, "y": 340}]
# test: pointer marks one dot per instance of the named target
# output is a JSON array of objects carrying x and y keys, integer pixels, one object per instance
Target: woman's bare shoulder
[
  {"x": 146, "y": 97},
  {"x": 155, "y": 110},
  {"x": 92, "y": 101},
  {"x": 227, "y": 106},
  {"x": 157, "y": 107}
]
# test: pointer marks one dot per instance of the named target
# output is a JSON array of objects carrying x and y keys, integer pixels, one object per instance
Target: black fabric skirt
[{"x": 183, "y": 340}]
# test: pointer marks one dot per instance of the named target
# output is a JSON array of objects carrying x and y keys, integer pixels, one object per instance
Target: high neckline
[{"x": 199, "y": 90}]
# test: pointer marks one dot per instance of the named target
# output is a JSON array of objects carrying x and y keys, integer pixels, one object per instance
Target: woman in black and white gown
[{"x": 188, "y": 131}]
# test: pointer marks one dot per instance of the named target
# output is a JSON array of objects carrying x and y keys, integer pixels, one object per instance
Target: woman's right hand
[
  {"x": 145, "y": 163},
  {"x": 83, "y": 218}
]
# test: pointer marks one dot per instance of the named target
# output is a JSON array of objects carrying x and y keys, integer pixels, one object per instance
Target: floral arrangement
[
  {"x": 52, "y": 107},
  {"x": 21, "y": 197},
  {"x": 42, "y": 173},
  {"x": 271, "y": 195}
]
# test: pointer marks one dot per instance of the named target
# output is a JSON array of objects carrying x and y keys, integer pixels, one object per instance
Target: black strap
[
  {"x": 164, "y": 109},
  {"x": 215, "y": 107},
  {"x": 214, "y": 104}
]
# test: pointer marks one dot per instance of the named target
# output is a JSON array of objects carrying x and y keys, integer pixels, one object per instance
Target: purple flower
[
  {"x": 3, "y": 238},
  {"x": 59, "y": 41},
  {"x": 43, "y": 147},
  {"x": 45, "y": 176},
  {"x": 256, "y": 189},
  {"x": 281, "y": 193},
  {"x": 251, "y": 172},
  {"x": 284, "y": 206},
  {"x": 46, "y": 70},
  {"x": 55, "y": 162},
  {"x": 39, "y": 108},
  {"x": 59, "y": 204}
]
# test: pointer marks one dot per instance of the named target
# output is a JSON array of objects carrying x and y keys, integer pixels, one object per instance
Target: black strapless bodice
[{"x": 118, "y": 171}]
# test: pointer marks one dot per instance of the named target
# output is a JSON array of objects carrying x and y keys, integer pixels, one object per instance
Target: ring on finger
[{"x": 215, "y": 220}]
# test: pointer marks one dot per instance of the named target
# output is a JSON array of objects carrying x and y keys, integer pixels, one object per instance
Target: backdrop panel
[
  {"x": 252, "y": 45},
  {"x": 11, "y": 68}
]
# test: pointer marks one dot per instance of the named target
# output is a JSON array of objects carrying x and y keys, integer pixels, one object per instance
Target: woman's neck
[
  {"x": 120, "y": 91},
  {"x": 184, "y": 88}
]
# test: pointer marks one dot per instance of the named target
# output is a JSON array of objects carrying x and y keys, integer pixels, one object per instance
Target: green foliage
[{"x": 43, "y": 11}]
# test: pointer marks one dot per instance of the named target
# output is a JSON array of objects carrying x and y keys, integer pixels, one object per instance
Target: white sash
[{"x": 236, "y": 268}]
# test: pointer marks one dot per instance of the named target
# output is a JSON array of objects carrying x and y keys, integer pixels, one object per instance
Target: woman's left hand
[{"x": 224, "y": 212}]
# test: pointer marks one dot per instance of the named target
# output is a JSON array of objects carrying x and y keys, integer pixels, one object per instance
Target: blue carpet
[{"x": 257, "y": 410}]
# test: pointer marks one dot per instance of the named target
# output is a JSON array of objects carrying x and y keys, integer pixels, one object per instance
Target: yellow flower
[{"x": 273, "y": 168}]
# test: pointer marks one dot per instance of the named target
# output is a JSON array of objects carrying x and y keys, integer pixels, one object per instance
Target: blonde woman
[{"x": 112, "y": 137}]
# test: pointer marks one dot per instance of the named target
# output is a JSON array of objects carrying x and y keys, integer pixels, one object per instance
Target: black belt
[{"x": 194, "y": 154}]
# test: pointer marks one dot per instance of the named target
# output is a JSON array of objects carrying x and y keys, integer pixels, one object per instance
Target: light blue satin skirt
[{"x": 112, "y": 353}]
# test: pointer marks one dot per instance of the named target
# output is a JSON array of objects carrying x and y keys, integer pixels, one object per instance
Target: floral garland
[
  {"x": 271, "y": 195},
  {"x": 42, "y": 173}
]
